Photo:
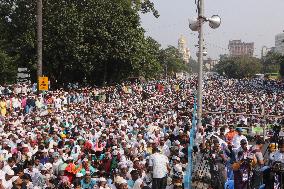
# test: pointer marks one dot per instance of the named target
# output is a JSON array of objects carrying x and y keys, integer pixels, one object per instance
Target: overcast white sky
[{"x": 250, "y": 20}]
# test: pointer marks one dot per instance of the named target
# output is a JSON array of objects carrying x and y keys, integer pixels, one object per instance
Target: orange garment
[
  {"x": 230, "y": 135},
  {"x": 72, "y": 168}
]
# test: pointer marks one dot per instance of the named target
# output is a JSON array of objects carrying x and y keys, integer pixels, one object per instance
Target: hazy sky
[{"x": 255, "y": 21}]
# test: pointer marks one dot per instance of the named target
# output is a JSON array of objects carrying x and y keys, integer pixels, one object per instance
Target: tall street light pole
[
  {"x": 197, "y": 25},
  {"x": 200, "y": 62},
  {"x": 39, "y": 39}
]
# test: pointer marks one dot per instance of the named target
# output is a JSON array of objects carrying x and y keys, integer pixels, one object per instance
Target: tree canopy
[
  {"x": 8, "y": 70},
  {"x": 96, "y": 41},
  {"x": 239, "y": 67},
  {"x": 281, "y": 68},
  {"x": 271, "y": 62},
  {"x": 171, "y": 59}
]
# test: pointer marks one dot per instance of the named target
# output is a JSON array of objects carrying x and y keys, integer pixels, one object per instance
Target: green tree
[
  {"x": 150, "y": 66},
  {"x": 239, "y": 67},
  {"x": 271, "y": 62},
  {"x": 281, "y": 69},
  {"x": 17, "y": 31},
  {"x": 145, "y": 6},
  {"x": 100, "y": 41},
  {"x": 171, "y": 60},
  {"x": 8, "y": 70}
]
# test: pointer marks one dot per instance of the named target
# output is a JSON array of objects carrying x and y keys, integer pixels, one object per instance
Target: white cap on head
[
  {"x": 79, "y": 175},
  {"x": 176, "y": 158},
  {"x": 115, "y": 152},
  {"x": 48, "y": 165},
  {"x": 29, "y": 154},
  {"x": 178, "y": 168},
  {"x": 177, "y": 142},
  {"x": 10, "y": 172},
  {"x": 102, "y": 179},
  {"x": 123, "y": 181},
  {"x": 114, "y": 147}
]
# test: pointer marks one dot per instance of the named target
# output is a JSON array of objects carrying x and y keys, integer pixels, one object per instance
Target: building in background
[
  {"x": 239, "y": 48},
  {"x": 265, "y": 50},
  {"x": 209, "y": 64},
  {"x": 183, "y": 49},
  {"x": 279, "y": 43}
]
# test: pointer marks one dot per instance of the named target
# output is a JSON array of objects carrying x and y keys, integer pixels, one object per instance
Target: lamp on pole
[
  {"x": 197, "y": 25},
  {"x": 39, "y": 39}
]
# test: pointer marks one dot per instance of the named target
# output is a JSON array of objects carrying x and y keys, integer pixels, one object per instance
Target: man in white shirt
[
  {"x": 164, "y": 147},
  {"x": 237, "y": 139},
  {"x": 57, "y": 103},
  {"x": 159, "y": 164},
  {"x": 10, "y": 164},
  {"x": 7, "y": 182},
  {"x": 2, "y": 173},
  {"x": 278, "y": 156}
]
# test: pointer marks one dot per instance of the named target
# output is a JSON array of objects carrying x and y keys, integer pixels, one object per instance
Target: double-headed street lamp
[{"x": 197, "y": 25}]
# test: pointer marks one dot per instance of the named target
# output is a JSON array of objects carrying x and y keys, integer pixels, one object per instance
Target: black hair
[
  {"x": 281, "y": 142},
  {"x": 30, "y": 163},
  {"x": 134, "y": 171},
  {"x": 154, "y": 150},
  {"x": 259, "y": 141},
  {"x": 195, "y": 149},
  {"x": 11, "y": 159},
  {"x": 17, "y": 170},
  {"x": 27, "y": 177}
]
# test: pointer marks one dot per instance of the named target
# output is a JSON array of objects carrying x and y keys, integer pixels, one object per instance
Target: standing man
[
  {"x": 231, "y": 134},
  {"x": 258, "y": 163},
  {"x": 240, "y": 167},
  {"x": 159, "y": 165},
  {"x": 237, "y": 138},
  {"x": 276, "y": 177}
]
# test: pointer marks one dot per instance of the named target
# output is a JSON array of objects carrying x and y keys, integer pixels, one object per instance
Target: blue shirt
[{"x": 89, "y": 185}]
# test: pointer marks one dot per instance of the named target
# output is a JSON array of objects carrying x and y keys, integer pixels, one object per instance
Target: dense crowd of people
[{"x": 135, "y": 135}]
